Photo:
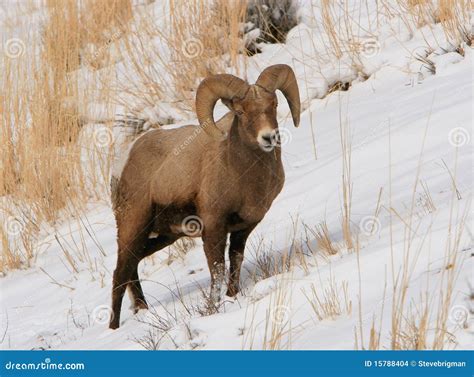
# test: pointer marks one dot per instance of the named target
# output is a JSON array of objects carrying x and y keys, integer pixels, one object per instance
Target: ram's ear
[
  {"x": 234, "y": 105},
  {"x": 228, "y": 103}
]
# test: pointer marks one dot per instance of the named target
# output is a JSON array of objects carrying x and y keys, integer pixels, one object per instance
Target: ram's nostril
[{"x": 267, "y": 138}]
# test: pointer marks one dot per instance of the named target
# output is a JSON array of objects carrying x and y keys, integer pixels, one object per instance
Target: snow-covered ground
[{"x": 410, "y": 132}]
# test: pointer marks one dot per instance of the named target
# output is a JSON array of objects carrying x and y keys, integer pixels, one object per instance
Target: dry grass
[
  {"x": 278, "y": 329},
  {"x": 345, "y": 139},
  {"x": 93, "y": 26},
  {"x": 326, "y": 302},
  {"x": 350, "y": 43},
  {"x": 266, "y": 261},
  {"x": 420, "y": 321},
  {"x": 200, "y": 39},
  {"x": 453, "y": 15},
  {"x": 412, "y": 321},
  {"x": 275, "y": 331},
  {"x": 44, "y": 172},
  {"x": 323, "y": 237},
  {"x": 179, "y": 249},
  {"x": 375, "y": 331}
]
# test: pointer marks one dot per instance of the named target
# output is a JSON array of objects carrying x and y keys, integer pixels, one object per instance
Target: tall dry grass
[
  {"x": 346, "y": 180},
  {"x": 47, "y": 167},
  {"x": 422, "y": 323},
  {"x": 420, "y": 320},
  {"x": 453, "y": 15},
  {"x": 195, "y": 39},
  {"x": 326, "y": 301},
  {"x": 348, "y": 41}
]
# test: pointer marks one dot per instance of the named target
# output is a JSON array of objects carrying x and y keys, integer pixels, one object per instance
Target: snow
[{"x": 404, "y": 122}]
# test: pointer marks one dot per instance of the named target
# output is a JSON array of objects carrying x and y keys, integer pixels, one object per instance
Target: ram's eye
[{"x": 239, "y": 112}]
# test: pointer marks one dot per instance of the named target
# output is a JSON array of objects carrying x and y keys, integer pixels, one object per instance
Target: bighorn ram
[{"x": 183, "y": 182}]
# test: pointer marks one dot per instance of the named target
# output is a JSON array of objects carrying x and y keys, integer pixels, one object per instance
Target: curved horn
[
  {"x": 282, "y": 77},
  {"x": 211, "y": 89}
]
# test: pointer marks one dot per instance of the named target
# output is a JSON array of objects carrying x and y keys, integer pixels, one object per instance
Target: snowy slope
[{"x": 404, "y": 123}]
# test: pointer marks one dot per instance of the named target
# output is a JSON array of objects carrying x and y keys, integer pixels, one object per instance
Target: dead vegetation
[
  {"x": 321, "y": 234},
  {"x": 202, "y": 39},
  {"x": 329, "y": 300},
  {"x": 268, "y": 21},
  {"x": 41, "y": 164}
]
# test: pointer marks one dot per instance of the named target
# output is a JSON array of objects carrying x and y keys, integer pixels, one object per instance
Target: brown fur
[{"x": 229, "y": 184}]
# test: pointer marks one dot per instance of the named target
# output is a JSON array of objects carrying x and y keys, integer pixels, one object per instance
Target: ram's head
[{"x": 254, "y": 105}]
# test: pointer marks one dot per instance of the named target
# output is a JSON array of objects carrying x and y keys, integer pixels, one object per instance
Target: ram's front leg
[
  {"x": 214, "y": 237},
  {"x": 236, "y": 256}
]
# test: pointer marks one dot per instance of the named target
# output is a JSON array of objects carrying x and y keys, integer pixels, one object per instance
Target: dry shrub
[{"x": 268, "y": 21}]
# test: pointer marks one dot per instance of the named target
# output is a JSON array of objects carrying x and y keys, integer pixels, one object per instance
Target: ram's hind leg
[
  {"x": 122, "y": 275},
  {"x": 133, "y": 226},
  {"x": 152, "y": 245},
  {"x": 136, "y": 292}
]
